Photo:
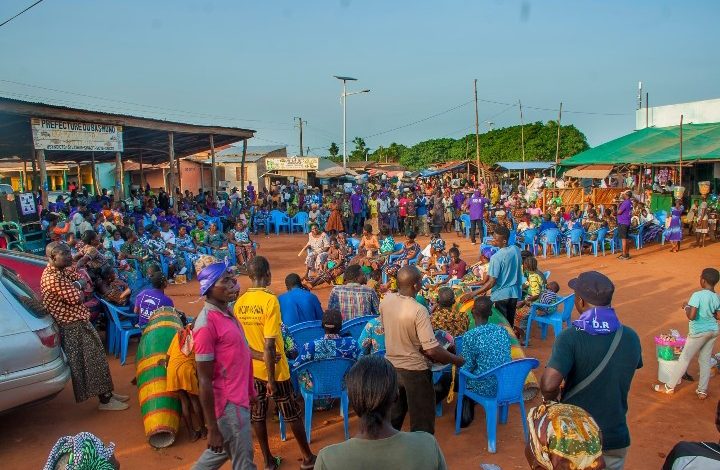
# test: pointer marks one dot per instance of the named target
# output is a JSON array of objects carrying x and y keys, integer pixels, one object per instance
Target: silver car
[{"x": 32, "y": 364}]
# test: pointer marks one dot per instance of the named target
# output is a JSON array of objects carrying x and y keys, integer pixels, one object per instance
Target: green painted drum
[{"x": 160, "y": 409}]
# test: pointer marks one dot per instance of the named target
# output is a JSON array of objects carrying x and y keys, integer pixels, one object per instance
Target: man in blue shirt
[
  {"x": 504, "y": 275},
  {"x": 421, "y": 207},
  {"x": 298, "y": 304}
]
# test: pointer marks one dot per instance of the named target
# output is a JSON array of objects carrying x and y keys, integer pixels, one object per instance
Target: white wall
[{"x": 696, "y": 112}]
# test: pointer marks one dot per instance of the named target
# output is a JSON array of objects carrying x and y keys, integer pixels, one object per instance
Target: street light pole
[
  {"x": 344, "y": 103},
  {"x": 344, "y": 96}
]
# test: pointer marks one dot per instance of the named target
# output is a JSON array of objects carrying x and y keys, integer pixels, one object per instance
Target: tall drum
[{"x": 160, "y": 409}]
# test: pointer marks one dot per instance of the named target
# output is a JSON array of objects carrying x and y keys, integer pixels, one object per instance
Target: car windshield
[{"x": 22, "y": 293}]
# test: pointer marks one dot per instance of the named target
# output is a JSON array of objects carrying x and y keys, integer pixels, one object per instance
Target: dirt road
[{"x": 650, "y": 290}]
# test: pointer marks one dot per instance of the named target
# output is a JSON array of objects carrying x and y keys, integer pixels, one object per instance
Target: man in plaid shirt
[{"x": 353, "y": 298}]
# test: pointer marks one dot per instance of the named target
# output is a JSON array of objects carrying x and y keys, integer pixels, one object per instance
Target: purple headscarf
[{"x": 209, "y": 276}]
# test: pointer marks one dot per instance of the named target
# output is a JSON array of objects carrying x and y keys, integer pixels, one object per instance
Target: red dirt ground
[{"x": 650, "y": 291}]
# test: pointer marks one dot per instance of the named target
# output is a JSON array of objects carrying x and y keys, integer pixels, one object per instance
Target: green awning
[{"x": 655, "y": 145}]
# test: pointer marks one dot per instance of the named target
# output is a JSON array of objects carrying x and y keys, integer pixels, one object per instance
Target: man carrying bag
[{"x": 596, "y": 358}]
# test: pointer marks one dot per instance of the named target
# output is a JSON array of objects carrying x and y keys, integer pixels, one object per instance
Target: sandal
[
  {"x": 701, "y": 395},
  {"x": 663, "y": 388},
  {"x": 308, "y": 466}
]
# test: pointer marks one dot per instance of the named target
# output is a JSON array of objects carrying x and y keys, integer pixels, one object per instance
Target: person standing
[
  {"x": 476, "y": 207},
  {"x": 63, "y": 297},
  {"x": 372, "y": 207},
  {"x": 225, "y": 372},
  {"x": 356, "y": 205},
  {"x": 504, "y": 275},
  {"x": 298, "y": 304},
  {"x": 702, "y": 310},
  {"x": 458, "y": 204},
  {"x": 596, "y": 358},
  {"x": 624, "y": 214},
  {"x": 421, "y": 208},
  {"x": 410, "y": 344},
  {"x": 258, "y": 310}
]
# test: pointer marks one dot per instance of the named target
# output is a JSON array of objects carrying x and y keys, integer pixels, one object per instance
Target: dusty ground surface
[{"x": 650, "y": 291}]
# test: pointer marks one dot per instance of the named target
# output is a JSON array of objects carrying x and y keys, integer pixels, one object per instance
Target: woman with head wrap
[
  {"x": 224, "y": 371},
  {"x": 82, "y": 451}
]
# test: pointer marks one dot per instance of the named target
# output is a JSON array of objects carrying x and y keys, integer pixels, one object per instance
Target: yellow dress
[{"x": 181, "y": 372}]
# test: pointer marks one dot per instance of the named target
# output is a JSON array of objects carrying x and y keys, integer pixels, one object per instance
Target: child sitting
[
  {"x": 113, "y": 289},
  {"x": 548, "y": 297},
  {"x": 445, "y": 318}
]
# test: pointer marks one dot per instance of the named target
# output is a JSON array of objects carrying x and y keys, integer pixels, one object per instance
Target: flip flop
[
  {"x": 701, "y": 395},
  {"x": 308, "y": 466},
  {"x": 663, "y": 388}
]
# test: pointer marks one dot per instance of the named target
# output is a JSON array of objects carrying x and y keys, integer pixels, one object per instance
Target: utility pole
[
  {"x": 522, "y": 138},
  {"x": 477, "y": 138},
  {"x": 557, "y": 145},
  {"x": 300, "y": 124}
]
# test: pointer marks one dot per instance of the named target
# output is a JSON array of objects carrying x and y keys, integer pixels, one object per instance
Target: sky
[{"x": 260, "y": 64}]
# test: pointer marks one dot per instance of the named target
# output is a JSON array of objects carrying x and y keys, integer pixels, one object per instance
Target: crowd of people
[{"x": 238, "y": 354}]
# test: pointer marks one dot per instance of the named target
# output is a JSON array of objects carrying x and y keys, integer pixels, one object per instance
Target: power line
[
  {"x": 173, "y": 110},
  {"x": 13, "y": 17},
  {"x": 419, "y": 120}
]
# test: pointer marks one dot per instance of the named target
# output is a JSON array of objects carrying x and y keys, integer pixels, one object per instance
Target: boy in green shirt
[{"x": 702, "y": 310}]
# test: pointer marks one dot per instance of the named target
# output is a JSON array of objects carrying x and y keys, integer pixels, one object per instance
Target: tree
[
  {"x": 496, "y": 145},
  {"x": 334, "y": 150},
  {"x": 360, "y": 153}
]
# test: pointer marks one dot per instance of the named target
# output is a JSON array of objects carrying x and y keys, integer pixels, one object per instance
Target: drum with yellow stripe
[{"x": 160, "y": 409}]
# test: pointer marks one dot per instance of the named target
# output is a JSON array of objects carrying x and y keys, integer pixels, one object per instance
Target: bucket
[
  {"x": 678, "y": 192},
  {"x": 704, "y": 187},
  {"x": 665, "y": 370}
]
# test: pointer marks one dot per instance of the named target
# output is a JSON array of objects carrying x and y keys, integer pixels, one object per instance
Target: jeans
[
  {"x": 615, "y": 459},
  {"x": 234, "y": 426},
  {"x": 475, "y": 225},
  {"x": 701, "y": 344},
  {"x": 417, "y": 397},
  {"x": 507, "y": 307}
]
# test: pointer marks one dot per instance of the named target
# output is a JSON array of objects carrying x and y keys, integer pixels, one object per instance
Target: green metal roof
[{"x": 655, "y": 145}]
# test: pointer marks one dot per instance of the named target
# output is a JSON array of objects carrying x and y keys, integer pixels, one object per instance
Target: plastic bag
[{"x": 467, "y": 414}]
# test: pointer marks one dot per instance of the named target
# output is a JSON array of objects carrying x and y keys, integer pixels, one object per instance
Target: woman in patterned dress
[
  {"x": 484, "y": 347},
  {"x": 674, "y": 233},
  {"x": 217, "y": 242},
  {"x": 317, "y": 246},
  {"x": 334, "y": 266},
  {"x": 334, "y": 223},
  {"x": 411, "y": 250},
  {"x": 185, "y": 245},
  {"x": 134, "y": 250}
]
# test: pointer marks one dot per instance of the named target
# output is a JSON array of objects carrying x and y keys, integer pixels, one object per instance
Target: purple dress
[{"x": 674, "y": 232}]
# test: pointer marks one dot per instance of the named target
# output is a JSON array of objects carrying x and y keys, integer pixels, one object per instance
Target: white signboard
[
  {"x": 292, "y": 163},
  {"x": 27, "y": 204},
  {"x": 51, "y": 134}
]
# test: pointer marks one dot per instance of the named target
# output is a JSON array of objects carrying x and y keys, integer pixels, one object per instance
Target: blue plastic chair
[
  {"x": 510, "y": 384},
  {"x": 661, "y": 216},
  {"x": 306, "y": 332},
  {"x": 328, "y": 381},
  {"x": 614, "y": 240},
  {"x": 529, "y": 239},
  {"x": 258, "y": 222},
  {"x": 599, "y": 241},
  {"x": 355, "y": 244},
  {"x": 299, "y": 220},
  {"x": 550, "y": 237},
  {"x": 555, "y": 319},
  {"x": 547, "y": 275},
  {"x": 638, "y": 236},
  {"x": 123, "y": 326},
  {"x": 465, "y": 221},
  {"x": 279, "y": 220},
  {"x": 575, "y": 238},
  {"x": 512, "y": 240},
  {"x": 355, "y": 326}
]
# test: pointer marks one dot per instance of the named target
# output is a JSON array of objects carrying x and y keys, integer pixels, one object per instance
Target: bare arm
[
  {"x": 487, "y": 286},
  {"x": 550, "y": 384},
  {"x": 691, "y": 312},
  {"x": 269, "y": 359},
  {"x": 207, "y": 401},
  {"x": 441, "y": 355}
]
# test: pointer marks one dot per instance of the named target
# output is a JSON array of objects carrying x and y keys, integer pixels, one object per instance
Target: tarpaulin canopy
[
  {"x": 450, "y": 166},
  {"x": 655, "y": 145},
  {"x": 515, "y": 166},
  {"x": 590, "y": 171},
  {"x": 335, "y": 172}
]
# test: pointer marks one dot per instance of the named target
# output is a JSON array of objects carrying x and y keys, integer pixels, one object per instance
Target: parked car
[{"x": 32, "y": 364}]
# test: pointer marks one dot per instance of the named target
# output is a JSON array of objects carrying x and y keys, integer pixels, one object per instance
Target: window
[{"x": 22, "y": 293}]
